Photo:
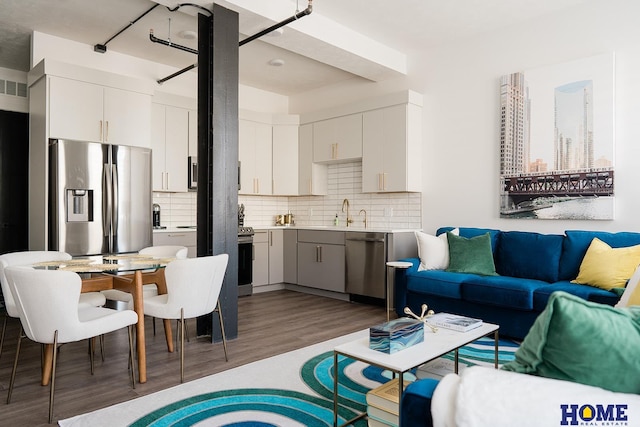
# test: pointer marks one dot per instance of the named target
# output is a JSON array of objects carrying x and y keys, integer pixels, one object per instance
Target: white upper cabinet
[
  {"x": 170, "y": 143},
  {"x": 285, "y": 160},
  {"x": 391, "y": 154},
  {"x": 127, "y": 116},
  {"x": 91, "y": 112},
  {"x": 75, "y": 110},
  {"x": 338, "y": 139},
  {"x": 312, "y": 177},
  {"x": 255, "y": 155}
]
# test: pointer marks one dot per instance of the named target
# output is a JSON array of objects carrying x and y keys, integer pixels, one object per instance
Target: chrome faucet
[
  {"x": 345, "y": 203},
  {"x": 365, "y": 217}
]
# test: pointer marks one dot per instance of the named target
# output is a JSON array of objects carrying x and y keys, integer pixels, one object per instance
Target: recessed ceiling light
[
  {"x": 277, "y": 62},
  {"x": 188, "y": 34}
]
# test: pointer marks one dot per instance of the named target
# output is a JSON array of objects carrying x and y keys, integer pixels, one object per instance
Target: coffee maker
[{"x": 156, "y": 216}]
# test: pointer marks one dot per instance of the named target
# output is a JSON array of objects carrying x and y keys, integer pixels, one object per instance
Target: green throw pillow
[
  {"x": 583, "y": 342},
  {"x": 472, "y": 255}
]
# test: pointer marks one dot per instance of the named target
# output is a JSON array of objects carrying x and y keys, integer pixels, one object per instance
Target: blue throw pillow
[
  {"x": 529, "y": 255},
  {"x": 577, "y": 242}
]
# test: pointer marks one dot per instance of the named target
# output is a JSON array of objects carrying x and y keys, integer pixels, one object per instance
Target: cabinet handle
[
  {"x": 167, "y": 180},
  {"x": 384, "y": 181},
  {"x": 320, "y": 247},
  {"x": 106, "y": 138},
  {"x": 317, "y": 253},
  {"x": 271, "y": 238},
  {"x": 100, "y": 130}
]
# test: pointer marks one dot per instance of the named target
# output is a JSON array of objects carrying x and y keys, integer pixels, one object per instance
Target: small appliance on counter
[
  {"x": 156, "y": 217},
  {"x": 285, "y": 220}
]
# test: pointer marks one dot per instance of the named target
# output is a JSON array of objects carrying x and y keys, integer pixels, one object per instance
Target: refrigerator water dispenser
[{"x": 79, "y": 205}]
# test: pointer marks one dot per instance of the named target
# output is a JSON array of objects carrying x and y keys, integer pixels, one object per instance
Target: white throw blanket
[{"x": 485, "y": 397}]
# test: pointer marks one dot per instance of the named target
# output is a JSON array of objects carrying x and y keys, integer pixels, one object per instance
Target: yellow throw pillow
[{"x": 606, "y": 267}]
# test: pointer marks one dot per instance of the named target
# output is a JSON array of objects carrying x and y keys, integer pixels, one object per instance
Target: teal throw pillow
[
  {"x": 583, "y": 342},
  {"x": 472, "y": 255}
]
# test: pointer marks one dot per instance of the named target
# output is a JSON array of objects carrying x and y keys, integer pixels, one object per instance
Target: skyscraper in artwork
[
  {"x": 515, "y": 124},
  {"x": 573, "y": 126}
]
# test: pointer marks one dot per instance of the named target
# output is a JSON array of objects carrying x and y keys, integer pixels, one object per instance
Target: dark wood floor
[{"x": 269, "y": 324}]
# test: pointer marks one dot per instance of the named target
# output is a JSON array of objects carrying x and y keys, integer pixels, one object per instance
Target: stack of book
[
  {"x": 454, "y": 321},
  {"x": 383, "y": 405}
]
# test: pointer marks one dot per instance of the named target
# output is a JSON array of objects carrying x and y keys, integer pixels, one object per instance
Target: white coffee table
[{"x": 434, "y": 345}]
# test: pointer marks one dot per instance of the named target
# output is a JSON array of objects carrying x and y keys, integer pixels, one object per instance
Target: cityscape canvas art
[{"x": 557, "y": 141}]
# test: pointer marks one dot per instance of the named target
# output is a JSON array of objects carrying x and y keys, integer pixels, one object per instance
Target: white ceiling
[{"x": 341, "y": 39}]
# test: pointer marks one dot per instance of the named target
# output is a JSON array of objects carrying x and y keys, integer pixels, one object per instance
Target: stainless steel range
[{"x": 245, "y": 255}]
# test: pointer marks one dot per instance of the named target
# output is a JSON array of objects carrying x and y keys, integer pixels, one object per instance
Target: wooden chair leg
[
  {"x": 186, "y": 329},
  {"x": 131, "y": 357},
  {"x": 15, "y": 365},
  {"x": 4, "y": 328},
  {"x": 224, "y": 337},
  {"x": 92, "y": 348},
  {"x": 53, "y": 375},
  {"x": 181, "y": 345},
  {"x": 102, "y": 346}
]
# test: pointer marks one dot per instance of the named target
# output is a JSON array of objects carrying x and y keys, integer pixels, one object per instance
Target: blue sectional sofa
[{"x": 530, "y": 265}]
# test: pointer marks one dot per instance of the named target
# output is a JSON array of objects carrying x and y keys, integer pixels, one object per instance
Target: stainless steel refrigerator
[{"x": 99, "y": 198}]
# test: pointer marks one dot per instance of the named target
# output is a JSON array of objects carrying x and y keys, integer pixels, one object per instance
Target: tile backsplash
[
  {"x": 384, "y": 210},
  {"x": 176, "y": 208}
]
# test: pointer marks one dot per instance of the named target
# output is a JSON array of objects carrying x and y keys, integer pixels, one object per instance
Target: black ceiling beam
[
  {"x": 274, "y": 27},
  {"x": 102, "y": 48}
]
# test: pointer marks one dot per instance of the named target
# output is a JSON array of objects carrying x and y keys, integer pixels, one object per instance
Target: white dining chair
[
  {"x": 150, "y": 289},
  {"x": 47, "y": 303},
  {"x": 193, "y": 290},
  {"x": 89, "y": 299}
]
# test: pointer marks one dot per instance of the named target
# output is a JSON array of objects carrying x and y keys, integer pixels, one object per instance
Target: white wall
[{"x": 460, "y": 83}]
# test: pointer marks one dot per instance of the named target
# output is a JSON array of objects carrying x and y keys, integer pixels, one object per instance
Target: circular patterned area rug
[{"x": 262, "y": 407}]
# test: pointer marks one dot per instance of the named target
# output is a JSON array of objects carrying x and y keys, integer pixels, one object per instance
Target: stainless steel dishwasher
[{"x": 366, "y": 256}]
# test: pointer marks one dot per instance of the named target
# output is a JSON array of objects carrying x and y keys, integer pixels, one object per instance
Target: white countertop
[
  {"x": 174, "y": 230},
  {"x": 300, "y": 227},
  {"x": 338, "y": 228}
]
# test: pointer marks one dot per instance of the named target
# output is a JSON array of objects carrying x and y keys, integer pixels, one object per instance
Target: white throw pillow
[
  {"x": 631, "y": 295},
  {"x": 433, "y": 250}
]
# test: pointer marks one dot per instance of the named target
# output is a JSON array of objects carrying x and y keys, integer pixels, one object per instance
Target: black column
[{"x": 218, "y": 157}]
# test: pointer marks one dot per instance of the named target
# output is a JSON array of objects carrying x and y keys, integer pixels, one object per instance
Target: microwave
[{"x": 193, "y": 172}]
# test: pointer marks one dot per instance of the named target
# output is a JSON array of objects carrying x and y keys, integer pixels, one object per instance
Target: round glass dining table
[{"x": 126, "y": 272}]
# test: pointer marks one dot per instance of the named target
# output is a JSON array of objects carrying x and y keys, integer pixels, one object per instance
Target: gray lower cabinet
[
  {"x": 321, "y": 260},
  {"x": 290, "y": 262},
  {"x": 177, "y": 238}
]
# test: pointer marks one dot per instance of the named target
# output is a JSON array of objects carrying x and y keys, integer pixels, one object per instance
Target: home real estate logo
[{"x": 594, "y": 415}]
